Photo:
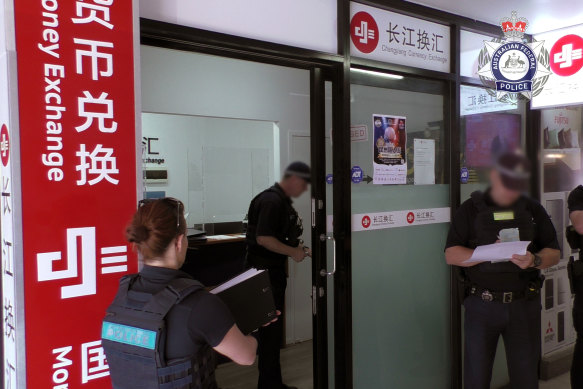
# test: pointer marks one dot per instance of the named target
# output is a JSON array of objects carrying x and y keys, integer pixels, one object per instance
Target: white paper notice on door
[{"x": 424, "y": 161}]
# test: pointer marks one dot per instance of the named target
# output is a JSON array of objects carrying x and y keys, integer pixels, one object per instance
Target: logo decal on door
[
  {"x": 410, "y": 217},
  {"x": 366, "y": 221}
]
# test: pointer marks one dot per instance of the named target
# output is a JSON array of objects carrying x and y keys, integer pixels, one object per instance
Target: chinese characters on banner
[
  {"x": 565, "y": 84},
  {"x": 391, "y": 37},
  {"x": 474, "y": 100},
  {"x": 78, "y": 179},
  {"x": 389, "y": 149},
  {"x": 7, "y": 217}
]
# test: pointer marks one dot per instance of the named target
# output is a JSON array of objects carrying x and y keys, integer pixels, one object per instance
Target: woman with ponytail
[{"x": 162, "y": 326}]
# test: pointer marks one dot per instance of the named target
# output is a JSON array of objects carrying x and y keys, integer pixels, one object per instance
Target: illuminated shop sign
[{"x": 394, "y": 38}]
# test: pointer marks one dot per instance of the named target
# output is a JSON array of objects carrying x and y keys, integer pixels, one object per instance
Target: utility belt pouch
[
  {"x": 573, "y": 238},
  {"x": 575, "y": 271},
  {"x": 534, "y": 287},
  {"x": 463, "y": 284}
]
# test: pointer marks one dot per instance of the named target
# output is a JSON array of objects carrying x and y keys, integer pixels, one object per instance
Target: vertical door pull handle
[{"x": 324, "y": 272}]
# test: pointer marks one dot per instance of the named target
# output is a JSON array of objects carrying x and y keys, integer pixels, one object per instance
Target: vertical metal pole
[
  {"x": 342, "y": 206},
  {"x": 453, "y": 102},
  {"x": 318, "y": 223}
]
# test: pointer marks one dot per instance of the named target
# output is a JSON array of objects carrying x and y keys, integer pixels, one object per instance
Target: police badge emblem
[{"x": 511, "y": 68}]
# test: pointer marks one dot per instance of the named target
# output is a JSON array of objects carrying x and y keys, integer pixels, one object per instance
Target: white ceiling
[{"x": 542, "y": 15}]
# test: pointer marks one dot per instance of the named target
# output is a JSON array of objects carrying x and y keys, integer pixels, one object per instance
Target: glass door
[{"x": 400, "y": 219}]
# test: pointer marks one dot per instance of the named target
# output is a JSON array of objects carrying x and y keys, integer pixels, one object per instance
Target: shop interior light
[
  {"x": 553, "y": 156},
  {"x": 378, "y": 74}
]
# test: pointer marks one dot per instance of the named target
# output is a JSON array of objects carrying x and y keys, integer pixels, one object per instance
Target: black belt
[{"x": 503, "y": 297}]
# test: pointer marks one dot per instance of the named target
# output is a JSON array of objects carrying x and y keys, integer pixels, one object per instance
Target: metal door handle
[{"x": 323, "y": 272}]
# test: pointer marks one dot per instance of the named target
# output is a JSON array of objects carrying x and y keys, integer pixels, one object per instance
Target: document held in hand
[
  {"x": 498, "y": 252},
  {"x": 250, "y": 299}
]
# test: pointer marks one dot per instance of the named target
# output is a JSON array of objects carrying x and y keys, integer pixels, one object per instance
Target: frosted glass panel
[
  {"x": 400, "y": 279},
  {"x": 205, "y": 158}
]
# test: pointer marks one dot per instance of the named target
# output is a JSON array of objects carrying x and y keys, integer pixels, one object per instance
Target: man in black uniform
[
  {"x": 273, "y": 235},
  {"x": 575, "y": 203},
  {"x": 502, "y": 298}
]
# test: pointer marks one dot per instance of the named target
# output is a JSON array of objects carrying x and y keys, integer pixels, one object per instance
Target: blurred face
[
  {"x": 297, "y": 186},
  {"x": 500, "y": 194}
]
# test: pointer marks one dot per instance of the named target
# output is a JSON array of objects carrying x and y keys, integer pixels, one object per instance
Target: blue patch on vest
[{"x": 128, "y": 335}]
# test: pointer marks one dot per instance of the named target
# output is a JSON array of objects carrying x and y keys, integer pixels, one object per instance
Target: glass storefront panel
[
  {"x": 400, "y": 287},
  {"x": 488, "y": 127},
  {"x": 560, "y": 172}
]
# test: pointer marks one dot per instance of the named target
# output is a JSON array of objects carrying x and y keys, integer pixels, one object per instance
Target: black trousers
[
  {"x": 577, "y": 365},
  {"x": 270, "y": 337},
  {"x": 519, "y": 325}
]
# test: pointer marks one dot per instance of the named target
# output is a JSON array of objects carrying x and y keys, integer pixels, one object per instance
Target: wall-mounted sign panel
[
  {"x": 394, "y": 38},
  {"x": 302, "y": 23},
  {"x": 474, "y": 100},
  {"x": 565, "y": 84}
]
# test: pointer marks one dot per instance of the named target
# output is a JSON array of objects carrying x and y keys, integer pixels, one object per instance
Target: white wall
[
  {"x": 186, "y": 83},
  {"x": 310, "y": 24},
  {"x": 209, "y": 162}
]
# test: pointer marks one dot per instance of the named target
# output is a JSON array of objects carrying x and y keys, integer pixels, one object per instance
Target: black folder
[{"x": 250, "y": 299}]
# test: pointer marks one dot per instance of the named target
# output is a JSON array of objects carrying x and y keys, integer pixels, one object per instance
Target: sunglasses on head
[{"x": 168, "y": 200}]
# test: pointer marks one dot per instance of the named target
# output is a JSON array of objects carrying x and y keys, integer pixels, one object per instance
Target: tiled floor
[
  {"x": 560, "y": 382},
  {"x": 297, "y": 370}
]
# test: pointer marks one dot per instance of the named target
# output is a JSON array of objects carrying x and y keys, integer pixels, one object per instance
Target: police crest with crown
[{"x": 516, "y": 68}]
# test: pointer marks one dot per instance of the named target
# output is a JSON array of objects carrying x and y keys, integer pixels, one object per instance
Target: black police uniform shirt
[
  {"x": 463, "y": 230},
  {"x": 269, "y": 213},
  {"x": 201, "y": 319},
  {"x": 575, "y": 200}
]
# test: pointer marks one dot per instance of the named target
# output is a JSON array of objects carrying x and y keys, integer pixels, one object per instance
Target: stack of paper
[{"x": 498, "y": 252}]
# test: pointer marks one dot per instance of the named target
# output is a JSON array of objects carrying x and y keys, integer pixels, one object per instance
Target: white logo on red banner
[
  {"x": 365, "y": 221},
  {"x": 410, "y": 217},
  {"x": 4, "y": 145},
  {"x": 81, "y": 248},
  {"x": 566, "y": 56},
  {"x": 364, "y": 32}
]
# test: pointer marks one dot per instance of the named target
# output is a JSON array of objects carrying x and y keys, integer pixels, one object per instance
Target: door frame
[{"x": 323, "y": 67}]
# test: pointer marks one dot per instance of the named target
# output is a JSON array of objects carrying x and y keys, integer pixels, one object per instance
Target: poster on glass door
[{"x": 389, "y": 149}]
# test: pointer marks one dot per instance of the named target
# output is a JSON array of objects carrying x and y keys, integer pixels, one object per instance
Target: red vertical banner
[{"x": 78, "y": 179}]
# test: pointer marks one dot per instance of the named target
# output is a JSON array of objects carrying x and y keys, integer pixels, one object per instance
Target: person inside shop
[
  {"x": 575, "y": 237},
  {"x": 502, "y": 299},
  {"x": 162, "y": 326},
  {"x": 273, "y": 234}
]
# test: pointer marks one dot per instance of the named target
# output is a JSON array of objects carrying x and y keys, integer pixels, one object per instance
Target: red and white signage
[
  {"x": 566, "y": 55},
  {"x": 394, "y": 219},
  {"x": 78, "y": 181},
  {"x": 565, "y": 84},
  {"x": 8, "y": 213},
  {"x": 395, "y": 38}
]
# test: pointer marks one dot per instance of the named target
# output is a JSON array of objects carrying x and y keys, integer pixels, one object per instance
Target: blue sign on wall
[
  {"x": 357, "y": 174},
  {"x": 465, "y": 175},
  {"x": 329, "y": 179}
]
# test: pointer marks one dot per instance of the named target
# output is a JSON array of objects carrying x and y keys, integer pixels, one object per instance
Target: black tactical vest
[
  {"x": 289, "y": 234},
  {"x": 489, "y": 221},
  {"x": 134, "y": 337}
]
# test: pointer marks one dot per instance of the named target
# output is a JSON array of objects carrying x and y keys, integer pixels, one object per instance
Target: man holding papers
[{"x": 500, "y": 239}]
